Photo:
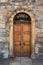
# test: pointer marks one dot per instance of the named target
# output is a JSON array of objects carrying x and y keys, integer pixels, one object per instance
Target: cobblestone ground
[
  {"x": 37, "y": 61},
  {"x": 21, "y": 61}
]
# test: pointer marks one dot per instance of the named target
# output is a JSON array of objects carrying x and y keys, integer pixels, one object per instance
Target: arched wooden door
[
  {"x": 22, "y": 34},
  {"x": 22, "y": 39}
]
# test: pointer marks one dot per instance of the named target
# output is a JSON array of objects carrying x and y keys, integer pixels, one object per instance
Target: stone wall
[{"x": 6, "y": 8}]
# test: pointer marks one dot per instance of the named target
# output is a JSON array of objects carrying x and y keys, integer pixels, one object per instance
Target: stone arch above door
[{"x": 32, "y": 26}]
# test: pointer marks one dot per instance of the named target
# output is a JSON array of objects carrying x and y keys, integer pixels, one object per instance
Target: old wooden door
[{"x": 22, "y": 39}]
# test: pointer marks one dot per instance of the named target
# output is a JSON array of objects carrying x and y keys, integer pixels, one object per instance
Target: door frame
[{"x": 12, "y": 14}]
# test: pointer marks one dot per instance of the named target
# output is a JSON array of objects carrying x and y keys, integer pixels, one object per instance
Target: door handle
[
  {"x": 23, "y": 43},
  {"x": 20, "y": 43}
]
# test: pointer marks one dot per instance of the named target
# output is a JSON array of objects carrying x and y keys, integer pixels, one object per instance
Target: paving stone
[
  {"x": 37, "y": 62},
  {"x": 21, "y": 61}
]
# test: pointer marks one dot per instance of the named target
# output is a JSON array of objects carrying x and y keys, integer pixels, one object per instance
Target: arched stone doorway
[
  {"x": 32, "y": 30},
  {"x": 22, "y": 35}
]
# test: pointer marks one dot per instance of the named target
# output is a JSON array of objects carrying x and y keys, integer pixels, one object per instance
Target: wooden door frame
[{"x": 32, "y": 31}]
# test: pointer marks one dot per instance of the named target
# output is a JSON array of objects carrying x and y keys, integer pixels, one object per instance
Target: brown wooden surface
[{"x": 22, "y": 39}]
